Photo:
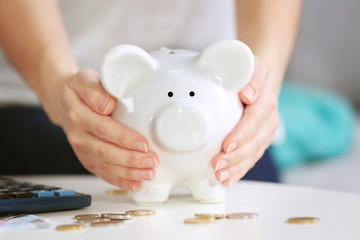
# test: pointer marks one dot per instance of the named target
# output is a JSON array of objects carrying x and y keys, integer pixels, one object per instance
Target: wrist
[{"x": 53, "y": 74}]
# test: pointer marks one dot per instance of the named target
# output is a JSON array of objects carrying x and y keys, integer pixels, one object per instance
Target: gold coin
[
  {"x": 80, "y": 216},
  {"x": 242, "y": 215},
  {"x": 117, "y": 216},
  {"x": 109, "y": 223},
  {"x": 140, "y": 212},
  {"x": 70, "y": 227},
  {"x": 210, "y": 215},
  {"x": 303, "y": 220},
  {"x": 91, "y": 220},
  {"x": 116, "y": 191},
  {"x": 199, "y": 220}
]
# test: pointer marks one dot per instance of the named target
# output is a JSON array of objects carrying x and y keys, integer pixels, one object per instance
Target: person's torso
[{"x": 94, "y": 27}]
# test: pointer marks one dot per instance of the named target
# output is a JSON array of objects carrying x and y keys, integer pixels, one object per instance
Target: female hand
[
  {"x": 104, "y": 146},
  {"x": 245, "y": 145}
]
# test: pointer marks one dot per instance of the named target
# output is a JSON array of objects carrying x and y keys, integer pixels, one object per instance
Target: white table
[{"x": 339, "y": 213}]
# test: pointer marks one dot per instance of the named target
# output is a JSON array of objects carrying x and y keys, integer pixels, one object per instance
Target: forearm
[
  {"x": 269, "y": 27},
  {"x": 33, "y": 37}
]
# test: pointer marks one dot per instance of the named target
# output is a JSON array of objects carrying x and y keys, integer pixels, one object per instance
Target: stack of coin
[
  {"x": 90, "y": 215},
  {"x": 89, "y": 218},
  {"x": 117, "y": 216},
  {"x": 140, "y": 212},
  {"x": 105, "y": 219},
  {"x": 107, "y": 223}
]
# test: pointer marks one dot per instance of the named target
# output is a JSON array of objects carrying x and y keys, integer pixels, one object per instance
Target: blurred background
[{"x": 323, "y": 88}]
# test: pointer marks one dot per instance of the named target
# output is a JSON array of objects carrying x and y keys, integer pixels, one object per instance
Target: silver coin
[
  {"x": 140, "y": 212},
  {"x": 91, "y": 220},
  {"x": 109, "y": 223},
  {"x": 117, "y": 216}
]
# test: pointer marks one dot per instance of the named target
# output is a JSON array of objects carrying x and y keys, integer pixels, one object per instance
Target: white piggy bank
[{"x": 185, "y": 104}]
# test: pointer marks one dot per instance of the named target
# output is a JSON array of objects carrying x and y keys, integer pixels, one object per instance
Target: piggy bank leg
[
  {"x": 207, "y": 191},
  {"x": 152, "y": 194}
]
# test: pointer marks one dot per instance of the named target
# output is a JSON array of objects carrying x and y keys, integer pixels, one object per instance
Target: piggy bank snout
[{"x": 182, "y": 128}]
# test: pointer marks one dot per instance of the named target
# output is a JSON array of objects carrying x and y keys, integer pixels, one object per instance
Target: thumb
[
  {"x": 250, "y": 92},
  {"x": 87, "y": 85}
]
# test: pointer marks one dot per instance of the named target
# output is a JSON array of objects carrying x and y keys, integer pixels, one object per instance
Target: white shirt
[{"x": 94, "y": 27}]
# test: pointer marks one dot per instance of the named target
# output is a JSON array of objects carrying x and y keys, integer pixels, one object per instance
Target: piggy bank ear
[
  {"x": 230, "y": 62},
  {"x": 123, "y": 64}
]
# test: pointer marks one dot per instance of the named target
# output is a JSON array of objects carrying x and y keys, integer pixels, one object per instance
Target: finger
[
  {"x": 107, "y": 129},
  {"x": 89, "y": 164},
  {"x": 87, "y": 85},
  {"x": 119, "y": 182},
  {"x": 225, "y": 160},
  {"x": 251, "y": 91},
  {"x": 113, "y": 154},
  {"x": 127, "y": 173},
  {"x": 254, "y": 147},
  {"x": 239, "y": 169},
  {"x": 254, "y": 116}
]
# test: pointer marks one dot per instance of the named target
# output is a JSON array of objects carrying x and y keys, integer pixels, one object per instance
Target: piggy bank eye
[
  {"x": 192, "y": 94},
  {"x": 170, "y": 94}
]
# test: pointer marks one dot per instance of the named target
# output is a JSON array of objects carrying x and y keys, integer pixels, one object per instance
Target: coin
[
  {"x": 140, "y": 212},
  {"x": 109, "y": 223},
  {"x": 70, "y": 227},
  {"x": 117, "y": 216},
  {"x": 303, "y": 220},
  {"x": 80, "y": 216},
  {"x": 91, "y": 220},
  {"x": 210, "y": 215},
  {"x": 242, "y": 215},
  {"x": 199, "y": 220},
  {"x": 116, "y": 191}
]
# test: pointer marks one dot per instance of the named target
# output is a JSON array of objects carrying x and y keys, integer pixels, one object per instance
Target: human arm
[
  {"x": 34, "y": 39},
  {"x": 269, "y": 28}
]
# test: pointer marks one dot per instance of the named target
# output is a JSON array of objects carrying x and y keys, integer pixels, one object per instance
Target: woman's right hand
[{"x": 104, "y": 146}]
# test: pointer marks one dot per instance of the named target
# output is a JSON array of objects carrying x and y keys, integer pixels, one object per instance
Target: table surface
[{"x": 338, "y": 212}]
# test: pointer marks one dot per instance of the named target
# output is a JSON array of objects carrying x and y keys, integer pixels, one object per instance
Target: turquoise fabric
[{"x": 319, "y": 125}]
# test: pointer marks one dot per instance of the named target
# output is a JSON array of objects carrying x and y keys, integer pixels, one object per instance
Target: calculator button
[
  {"x": 42, "y": 193},
  {"x": 64, "y": 192},
  {"x": 21, "y": 194},
  {"x": 49, "y": 188}
]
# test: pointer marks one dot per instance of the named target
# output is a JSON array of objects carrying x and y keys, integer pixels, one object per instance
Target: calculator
[{"x": 24, "y": 197}]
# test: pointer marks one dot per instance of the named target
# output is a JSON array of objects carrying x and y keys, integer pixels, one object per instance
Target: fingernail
[
  {"x": 231, "y": 147},
  {"x": 249, "y": 93},
  {"x": 224, "y": 175},
  {"x": 146, "y": 175},
  {"x": 140, "y": 146},
  {"x": 149, "y": 163},
  {"x": 230, "y": 182},
  {"x": 132, "y": 187},
  {"x": 104, "y": 104},
  {"x": 221, "y": 164}
]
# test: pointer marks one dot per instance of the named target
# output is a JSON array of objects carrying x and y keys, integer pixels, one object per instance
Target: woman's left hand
[{"x": 246, "y": 144}]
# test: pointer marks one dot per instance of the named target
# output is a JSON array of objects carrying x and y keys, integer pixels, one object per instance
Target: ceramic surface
[{"x": 185, "y": 103}]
